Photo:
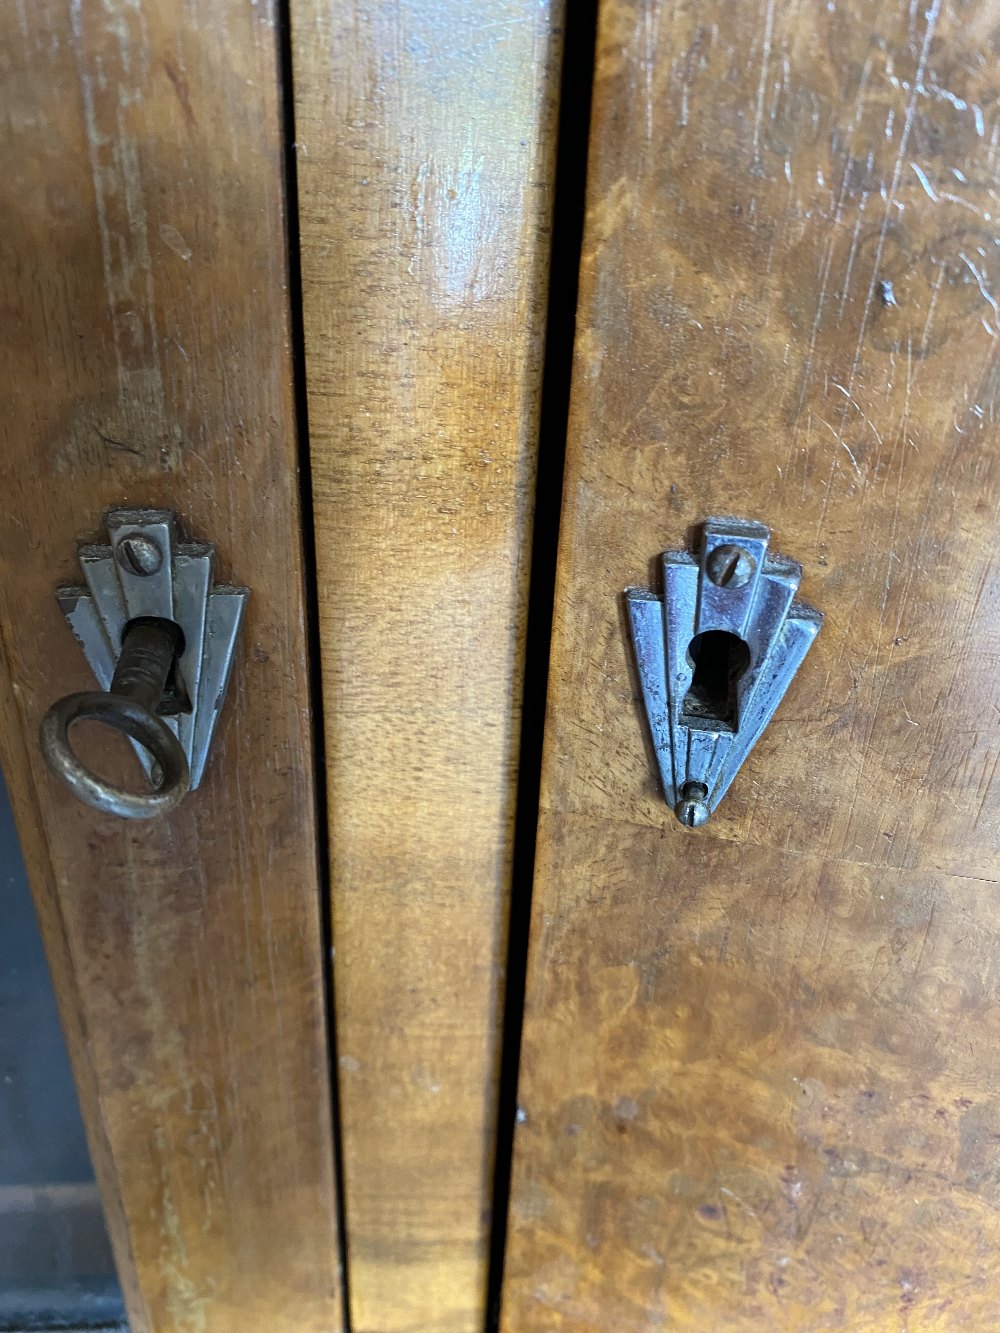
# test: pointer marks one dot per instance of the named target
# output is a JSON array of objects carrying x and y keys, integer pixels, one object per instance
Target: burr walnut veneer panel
[{"x": 760, "y": 1081}]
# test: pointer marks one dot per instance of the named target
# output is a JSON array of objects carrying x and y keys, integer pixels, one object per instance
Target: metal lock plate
[
  {"x": 149, "y": 570},
  {"x": 715, "y": 656}
]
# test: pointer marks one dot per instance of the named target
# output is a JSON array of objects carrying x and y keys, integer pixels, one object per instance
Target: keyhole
[{"x": 719, "y": 660}]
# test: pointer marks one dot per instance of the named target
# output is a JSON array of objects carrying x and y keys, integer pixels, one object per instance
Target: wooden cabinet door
[
  {"x": 171, "y": 172},
  {"x": 760, "y": 1086},
  {"x": 146, "y": 361}
]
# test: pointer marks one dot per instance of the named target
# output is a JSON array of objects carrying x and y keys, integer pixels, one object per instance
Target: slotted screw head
[
  {"x": 138, "y": 555},
  {"x": 730, "y": 566},
  {"x": 691, "y": 809},
  {"x": 692, "y": 814}
]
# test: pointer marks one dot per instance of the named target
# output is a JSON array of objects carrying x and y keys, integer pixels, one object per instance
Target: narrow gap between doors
[
  {"x": 297, "y": 330},
  {"x": 575, "y": 94}
]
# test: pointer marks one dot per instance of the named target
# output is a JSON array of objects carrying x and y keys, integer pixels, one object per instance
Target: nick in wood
[{"x": 715, "y": 656}]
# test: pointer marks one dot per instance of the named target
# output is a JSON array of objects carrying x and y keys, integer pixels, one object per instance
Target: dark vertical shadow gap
[
  {"x": 576, "y": 88},
  {"x": 308, "y": 538}
]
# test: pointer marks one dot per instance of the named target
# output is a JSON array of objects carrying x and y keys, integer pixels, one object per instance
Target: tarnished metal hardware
[
  {"x": 160, "y": 639},
  {"x": 715, "y": 656},
  {"x": 137, "y": 689}
]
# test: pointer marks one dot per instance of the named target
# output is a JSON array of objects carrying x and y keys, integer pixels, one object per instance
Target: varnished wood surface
[
  {"x": 146, "y": 361},
  {"x": 760, "y": 1084},
  {"x": 425, "y": 150}
]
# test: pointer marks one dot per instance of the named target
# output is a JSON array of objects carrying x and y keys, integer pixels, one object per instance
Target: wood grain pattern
[
  {"x": 146, "y": 360},
  {"x": 425, "y": 152},
  {"x": 760, "y": 1082}
]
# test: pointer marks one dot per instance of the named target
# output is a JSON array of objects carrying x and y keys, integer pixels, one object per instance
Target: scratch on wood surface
[
  {"x": 765, "y": 57},
  {"x": 179, "y": 83},
  {"x": 930, "y": 20},
  {"x": 921, "y": 176},
  {"x": 650, "y": 15},
  {"x": 110, "y": 104},
  {"x": 987, "y": 296},
  {"x": 172, "y": 237}
]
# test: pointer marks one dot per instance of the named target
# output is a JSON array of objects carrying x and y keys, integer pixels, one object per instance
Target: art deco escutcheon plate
[
  {"x": 147, "y": 568},
  {"x": 715, "y": 656}
]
